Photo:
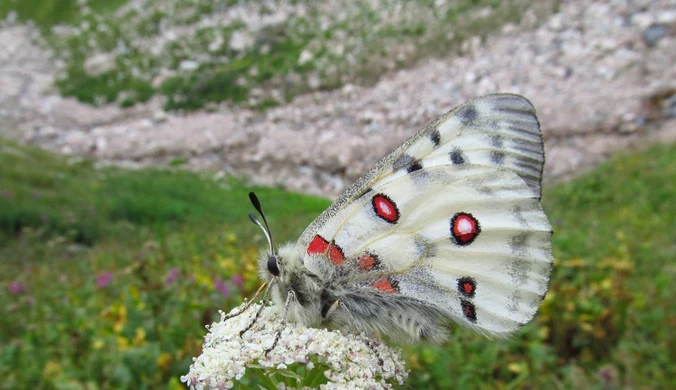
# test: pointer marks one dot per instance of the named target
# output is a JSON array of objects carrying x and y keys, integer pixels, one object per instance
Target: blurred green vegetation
[
  {"x": 108, "y": 277},
  {"x": 46, "y": 14}
]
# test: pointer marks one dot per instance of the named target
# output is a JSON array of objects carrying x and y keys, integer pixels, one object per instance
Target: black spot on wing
[
  {"x": 415, "y": 166},
  {"x": 491, "y": 124},
  {"x": 517, "y": 214},
  {"x": 519, "y": 243},
  {"x": 407, "y": 162},
  {"x": 497, "y": 141},
  {"x": 435, "y": 137},
  {"x": 467, "y": 286},
  {"x": 468, "y": 114},
  {"x": 468, "y": 309},
  {"x": 457, "y": 156},
  {"x": 497, "y": 157}
]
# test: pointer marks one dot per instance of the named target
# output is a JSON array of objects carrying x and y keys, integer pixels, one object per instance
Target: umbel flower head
[{"x": 330, "y": 359}]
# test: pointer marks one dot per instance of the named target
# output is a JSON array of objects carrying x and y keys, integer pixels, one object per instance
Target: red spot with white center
[
  {"x": 319, "y": 246},
  {"x": 464, "y": 228},
  {"x": 385, "y": 208}
]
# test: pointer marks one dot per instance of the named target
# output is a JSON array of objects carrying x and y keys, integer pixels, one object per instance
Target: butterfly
[{"x": 447, "y": 228}]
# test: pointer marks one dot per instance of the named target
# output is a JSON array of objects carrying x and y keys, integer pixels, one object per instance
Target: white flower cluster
[{"x": 352, "y": 364}]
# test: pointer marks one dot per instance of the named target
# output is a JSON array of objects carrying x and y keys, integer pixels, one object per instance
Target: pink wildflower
[{"x": 104, "y": 279}]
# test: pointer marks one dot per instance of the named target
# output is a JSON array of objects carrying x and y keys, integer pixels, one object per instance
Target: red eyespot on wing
[
  {"x": 468, "y": 310},
  {"x": 464, "y": 228},
  {"x": 467, "y": 286},
  {"x": 318, "y": 246},
  {"x": 385, "y": 208},
  {"x": 336, "y": 254},
  {"x": 368, "y": 262},
  {"x": 386, "y": 285}
]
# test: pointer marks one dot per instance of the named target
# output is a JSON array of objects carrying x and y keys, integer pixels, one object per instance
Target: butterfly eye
[{"x": 272, "y": 265}]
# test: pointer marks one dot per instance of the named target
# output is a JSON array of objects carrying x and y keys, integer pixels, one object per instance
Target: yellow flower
[
  {"x": 164, "y": 361},
  {"x": 204, "y": 280},
  {"x": 122, "y": 343},
  {"x": 120, "y": 318},
  {"x": 98, "y": 344},
  {"x": 139, "y": 336},
  {"x": 228, "y": 263},
  {"x": 575, "y": 263},
  {"x": 133, "y": 290},
  {"x": 587, "y": 327},
  {"x": 515, "y": 368},
  {"x": 51, "y": 369}
]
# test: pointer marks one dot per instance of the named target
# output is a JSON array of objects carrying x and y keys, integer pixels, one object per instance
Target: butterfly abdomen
[{"x": 396, "y": 316}]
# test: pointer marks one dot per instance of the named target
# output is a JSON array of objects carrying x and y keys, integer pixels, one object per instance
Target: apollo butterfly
[{"x": 447, "y": 228}]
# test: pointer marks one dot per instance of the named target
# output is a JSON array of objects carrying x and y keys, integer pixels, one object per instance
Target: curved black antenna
[
  {"x": 266, "y": 229},
  {"x": 255, "y": 220}
]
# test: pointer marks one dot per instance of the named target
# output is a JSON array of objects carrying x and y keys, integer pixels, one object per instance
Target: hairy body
[{"x": 318, "y": 294}]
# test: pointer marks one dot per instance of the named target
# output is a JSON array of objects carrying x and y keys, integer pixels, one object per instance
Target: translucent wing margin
[{"x": 499, "y": 130}]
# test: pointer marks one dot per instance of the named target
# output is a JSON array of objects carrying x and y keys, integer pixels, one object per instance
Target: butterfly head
[
  {"x": 273, "y": 264},
  {"x": 286, "y": 270}
]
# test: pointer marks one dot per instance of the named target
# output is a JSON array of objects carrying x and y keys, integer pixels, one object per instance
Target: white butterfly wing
[{"x": 451, "y": 218}]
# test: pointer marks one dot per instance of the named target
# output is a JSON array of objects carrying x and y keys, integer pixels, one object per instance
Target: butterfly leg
[
  {"x": 248, "y": 304},
  {"x": 360, "y": 334},
  {"x": 260, "y": 309},
  {"x": 289, "y": 296}
]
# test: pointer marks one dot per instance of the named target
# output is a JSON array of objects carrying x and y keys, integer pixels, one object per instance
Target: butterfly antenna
[{"x": 266, "y": 228}]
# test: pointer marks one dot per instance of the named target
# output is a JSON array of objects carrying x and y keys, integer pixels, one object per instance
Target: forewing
[{"x": 499, "y": 130}]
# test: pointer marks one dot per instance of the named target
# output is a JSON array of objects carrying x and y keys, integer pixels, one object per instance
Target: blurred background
[{"x": 131, "y": 132}]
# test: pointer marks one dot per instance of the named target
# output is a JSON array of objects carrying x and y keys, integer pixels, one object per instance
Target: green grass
[
  {"x": 46, "y": 192},
  {"x": 607, "y": 321},
  {"x": 49, "y": 13}
]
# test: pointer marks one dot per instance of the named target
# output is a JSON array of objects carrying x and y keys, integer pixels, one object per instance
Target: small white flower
[{"x": 348, "y": 362}]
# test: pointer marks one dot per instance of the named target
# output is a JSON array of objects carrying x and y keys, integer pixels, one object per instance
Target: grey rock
[
  {"x": 669, "y": 107},
  {"x": 99, "y": 64},
  {"x": 654, "y": 33}
]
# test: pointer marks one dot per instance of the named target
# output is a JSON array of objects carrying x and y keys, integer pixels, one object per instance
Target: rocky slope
[{"x": 600, "y": 73}]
